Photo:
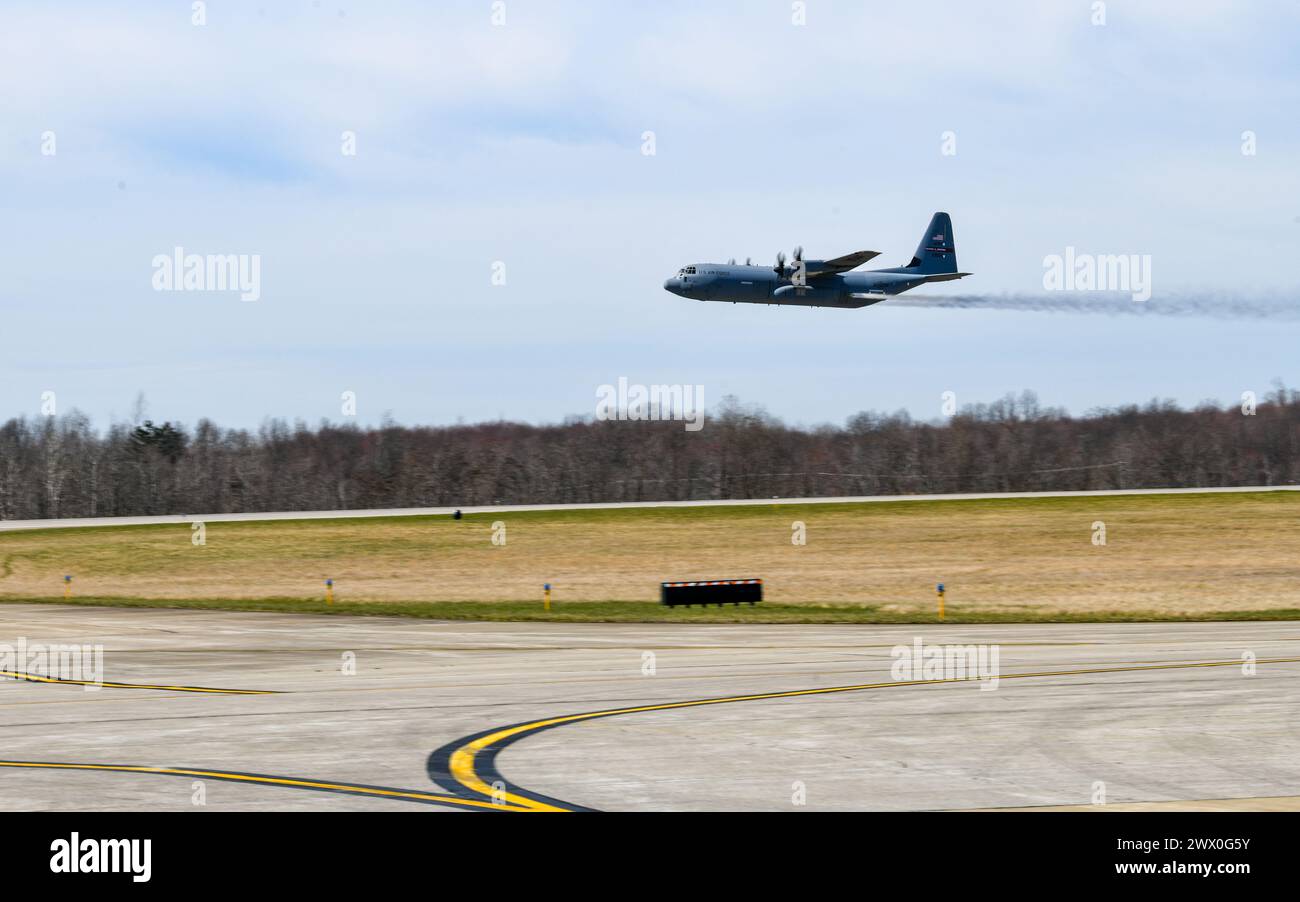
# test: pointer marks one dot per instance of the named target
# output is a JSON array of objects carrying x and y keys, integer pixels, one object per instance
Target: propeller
[
  {"x": 799, "y": 277},
  {"x": 780, "y": 265}
]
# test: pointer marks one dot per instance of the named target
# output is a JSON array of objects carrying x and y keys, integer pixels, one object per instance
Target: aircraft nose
[{"x": 674, "y": 284}]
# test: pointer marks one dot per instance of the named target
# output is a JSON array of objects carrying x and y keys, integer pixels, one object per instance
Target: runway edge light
[
  {"x": 329, "y": 591},
  {"x": 941, "y": 593},
  {"x": 67, "y": 587},
  {"x": 546, "y": 597}
]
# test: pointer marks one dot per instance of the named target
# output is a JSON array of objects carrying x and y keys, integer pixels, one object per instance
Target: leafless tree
[{"x": 61, "y": 467}]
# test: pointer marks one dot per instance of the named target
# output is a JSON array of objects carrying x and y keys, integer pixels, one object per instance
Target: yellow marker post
[
  {"x": 940, "y": 601},
  {"x": 546, "y": 598},
  {"x": 67, "y": 587},
  {"x": 329, "y": 591}
]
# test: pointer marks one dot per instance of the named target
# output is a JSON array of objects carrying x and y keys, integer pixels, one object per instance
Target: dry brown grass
[{"x": 1183, "y": 554}]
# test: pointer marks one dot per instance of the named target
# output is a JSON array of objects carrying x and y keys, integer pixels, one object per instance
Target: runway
[
  {"x": 240, "y": 711},
  {"x": 257, "y": 516}
]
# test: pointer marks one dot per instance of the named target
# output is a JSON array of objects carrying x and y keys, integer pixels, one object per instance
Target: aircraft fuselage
[{"x": 761, "y": 285}]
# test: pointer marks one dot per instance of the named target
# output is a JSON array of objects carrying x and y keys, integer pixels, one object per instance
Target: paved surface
[
  {"x": 1117, "y": 705},
  {"x": 13, "y": 525}
]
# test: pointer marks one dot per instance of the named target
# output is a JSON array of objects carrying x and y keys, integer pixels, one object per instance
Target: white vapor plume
[{"x": 1215, "y": 306}]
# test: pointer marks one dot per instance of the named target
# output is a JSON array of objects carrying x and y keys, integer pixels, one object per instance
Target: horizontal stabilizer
[{"x": 946, "y": 276}]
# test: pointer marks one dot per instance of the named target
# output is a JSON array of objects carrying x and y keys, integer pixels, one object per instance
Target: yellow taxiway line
[
  {"x": 463, "y": 759},
  {"x": 351, "y": 789},
  {"x": 34, "y": 678}
]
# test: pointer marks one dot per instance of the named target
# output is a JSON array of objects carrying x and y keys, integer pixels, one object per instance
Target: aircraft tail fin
[{"x": 937, "y": 252}]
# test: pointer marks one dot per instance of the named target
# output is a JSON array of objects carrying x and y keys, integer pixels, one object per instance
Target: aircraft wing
[{"x": 848, "y": 261}]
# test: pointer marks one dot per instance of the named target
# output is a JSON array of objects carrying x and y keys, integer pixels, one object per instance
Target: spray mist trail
[{"x": 1259, "y": 307}]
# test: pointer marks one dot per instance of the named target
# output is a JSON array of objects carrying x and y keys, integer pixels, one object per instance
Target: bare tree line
[{"x": 62, "y": 467}]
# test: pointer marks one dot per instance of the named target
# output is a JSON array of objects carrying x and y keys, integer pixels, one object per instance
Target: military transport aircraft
[{"x": 822, "y": 283}]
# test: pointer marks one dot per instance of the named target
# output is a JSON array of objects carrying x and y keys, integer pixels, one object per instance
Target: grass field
[{"x": 1229, "y": 556}]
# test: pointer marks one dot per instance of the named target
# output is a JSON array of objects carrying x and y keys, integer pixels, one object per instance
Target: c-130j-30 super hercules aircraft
[{"x": 822, "y": 283}]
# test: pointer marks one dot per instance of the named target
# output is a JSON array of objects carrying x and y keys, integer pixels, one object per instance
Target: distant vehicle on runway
[{"x": 822, "y": 283}]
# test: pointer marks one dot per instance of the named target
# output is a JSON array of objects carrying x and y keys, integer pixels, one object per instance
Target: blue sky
[{"x": 521, "y": 143}]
